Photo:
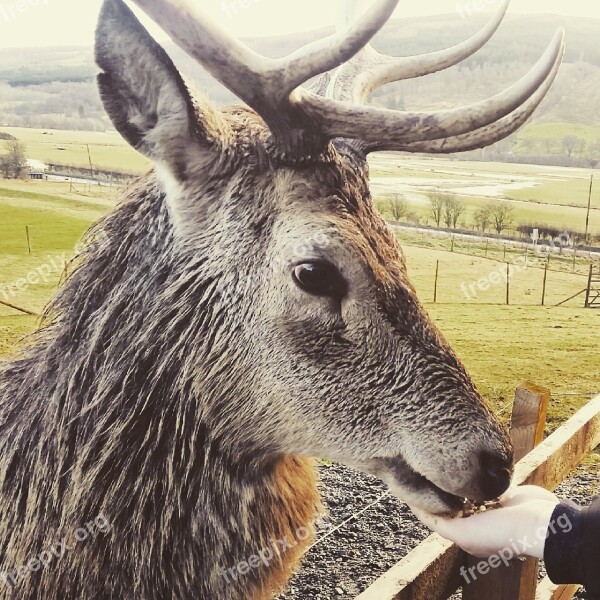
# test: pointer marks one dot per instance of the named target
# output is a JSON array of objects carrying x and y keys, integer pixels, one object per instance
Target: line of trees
[
  {"x": 570, "y": 150},
  {"x": 447, "y": 209},
  {"x": 570, "y": 145}
]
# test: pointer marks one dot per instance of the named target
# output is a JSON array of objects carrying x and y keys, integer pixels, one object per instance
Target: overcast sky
[{"x": 25, "y": 23}]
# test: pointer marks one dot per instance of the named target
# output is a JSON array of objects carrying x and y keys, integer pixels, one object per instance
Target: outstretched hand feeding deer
[{"x": 180, "y": 394}]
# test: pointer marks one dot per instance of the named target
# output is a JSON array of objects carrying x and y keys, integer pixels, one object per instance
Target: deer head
[{"x": 330, "y": 354}]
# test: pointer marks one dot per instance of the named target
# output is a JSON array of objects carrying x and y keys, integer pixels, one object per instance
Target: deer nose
[{"x": 496, "y": 473}]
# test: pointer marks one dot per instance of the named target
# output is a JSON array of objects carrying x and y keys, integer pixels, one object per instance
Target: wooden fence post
[
  {"x": 28, "y": 238},
  {"x": 589, "y": 286},
  {"x": 528, "y": 421},
  {"x": 437, "y": 270},
  {"x": 518, "y": 581},
  {"x": 507, "y": 284},
  {"x": 544, "y": 284}
]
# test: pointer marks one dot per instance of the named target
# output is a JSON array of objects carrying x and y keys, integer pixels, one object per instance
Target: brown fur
[{"x": 298, "y": 506}]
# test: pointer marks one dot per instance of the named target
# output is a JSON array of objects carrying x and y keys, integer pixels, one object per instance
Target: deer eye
[{"x": 320, "y": 278}]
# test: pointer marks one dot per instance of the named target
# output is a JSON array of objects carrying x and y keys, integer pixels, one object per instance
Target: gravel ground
[{"x": 348, "y": 560}]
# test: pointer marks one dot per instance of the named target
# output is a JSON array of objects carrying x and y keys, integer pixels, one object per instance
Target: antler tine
[
  {"x": 227, "y": 59},
  {"x": 355, "y": 81},
  {"x": 396, "y": 69},
  {"x": 485, "y": 136},
  {"x": 265, "y": 83},
  {"x": 390, "y": 128},
  {"x": 335, "y": 50}
]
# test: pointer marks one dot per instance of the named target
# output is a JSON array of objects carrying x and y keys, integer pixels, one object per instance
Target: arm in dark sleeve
[{"x": 572, "y": 550}]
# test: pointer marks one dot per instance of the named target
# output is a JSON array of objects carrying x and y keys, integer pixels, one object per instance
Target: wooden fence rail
[
  {"x": 432, "y": 570},
  {"x": 19, "y": 309},
  {"x": 592, "y": 295}
]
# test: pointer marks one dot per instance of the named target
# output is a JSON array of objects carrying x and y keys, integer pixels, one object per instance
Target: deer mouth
[{"x": 415, "y": 489}]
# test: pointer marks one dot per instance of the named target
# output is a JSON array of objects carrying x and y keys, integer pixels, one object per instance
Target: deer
[{"x": 194, "y": 364}]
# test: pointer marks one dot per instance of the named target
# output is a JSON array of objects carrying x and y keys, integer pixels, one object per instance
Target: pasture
[
  {"x": 555, "y": 196},
  {"x": 501, "y": 345},
  {"x": 108, "y": 151},
  {"x": 556, "y": 132}
]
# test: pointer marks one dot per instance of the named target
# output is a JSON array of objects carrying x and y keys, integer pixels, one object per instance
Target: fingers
[
  {"x": 484, "y": 534},
  {"x": 525, "y": 512},
  {"x": 461, "y": 531},
  {"x": 526, "y": 493}
]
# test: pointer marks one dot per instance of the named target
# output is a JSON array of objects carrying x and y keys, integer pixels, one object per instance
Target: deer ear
[{"x": 146, "y": 97}]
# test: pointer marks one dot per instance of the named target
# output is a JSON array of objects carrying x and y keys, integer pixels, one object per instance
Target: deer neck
[{"x": 108, "y": 391}]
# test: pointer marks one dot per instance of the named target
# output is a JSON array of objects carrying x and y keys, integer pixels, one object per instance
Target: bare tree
[
  {"x": 453, "y": 209},
  {"x": 14, "y": 163},
  {"x": 529, "y": 145},
  {"x": 548, "y": 144},
  {"x": 570, "y": 142},
  {"x": 398, "y": 207},
  {"x": 457, "y": 211},
  {"x": 483, "y": 218},
  {"x": 501, "y": 213},
  {"x": 436, "y": 206}
]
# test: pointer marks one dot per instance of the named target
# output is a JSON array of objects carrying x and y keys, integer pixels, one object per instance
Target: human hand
[{"x": 521, "y": 524}]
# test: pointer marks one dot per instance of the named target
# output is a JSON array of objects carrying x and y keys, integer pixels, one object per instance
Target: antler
[
  {"x": 303, "y": 122},
  {"x": 263, "y": 83},
  {"x": 355, "y": 81}
]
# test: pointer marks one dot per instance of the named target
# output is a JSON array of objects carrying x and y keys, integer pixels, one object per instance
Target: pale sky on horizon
[{"x": 28, "y": 23}]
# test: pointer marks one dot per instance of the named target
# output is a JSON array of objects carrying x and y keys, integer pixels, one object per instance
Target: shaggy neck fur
[{"x": 104, "y": 415}]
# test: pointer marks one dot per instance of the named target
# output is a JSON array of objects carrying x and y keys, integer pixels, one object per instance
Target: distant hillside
[{"x": 55, "y": 87}]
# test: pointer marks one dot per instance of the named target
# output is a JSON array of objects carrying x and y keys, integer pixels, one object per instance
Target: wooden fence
[{"x": 432, "y": 570}]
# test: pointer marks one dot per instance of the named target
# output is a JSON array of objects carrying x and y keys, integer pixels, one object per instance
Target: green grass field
[
  {"x": 56, "y": 219},
  {"x": 501, "y": 345},
  {"x": 554, "y": 196},
  {"x": 108, "y": 151},
  {"x": 520, "y": 254},
  {"x": 556, "y": 132},
  {"x": 543, "y": 195}
]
